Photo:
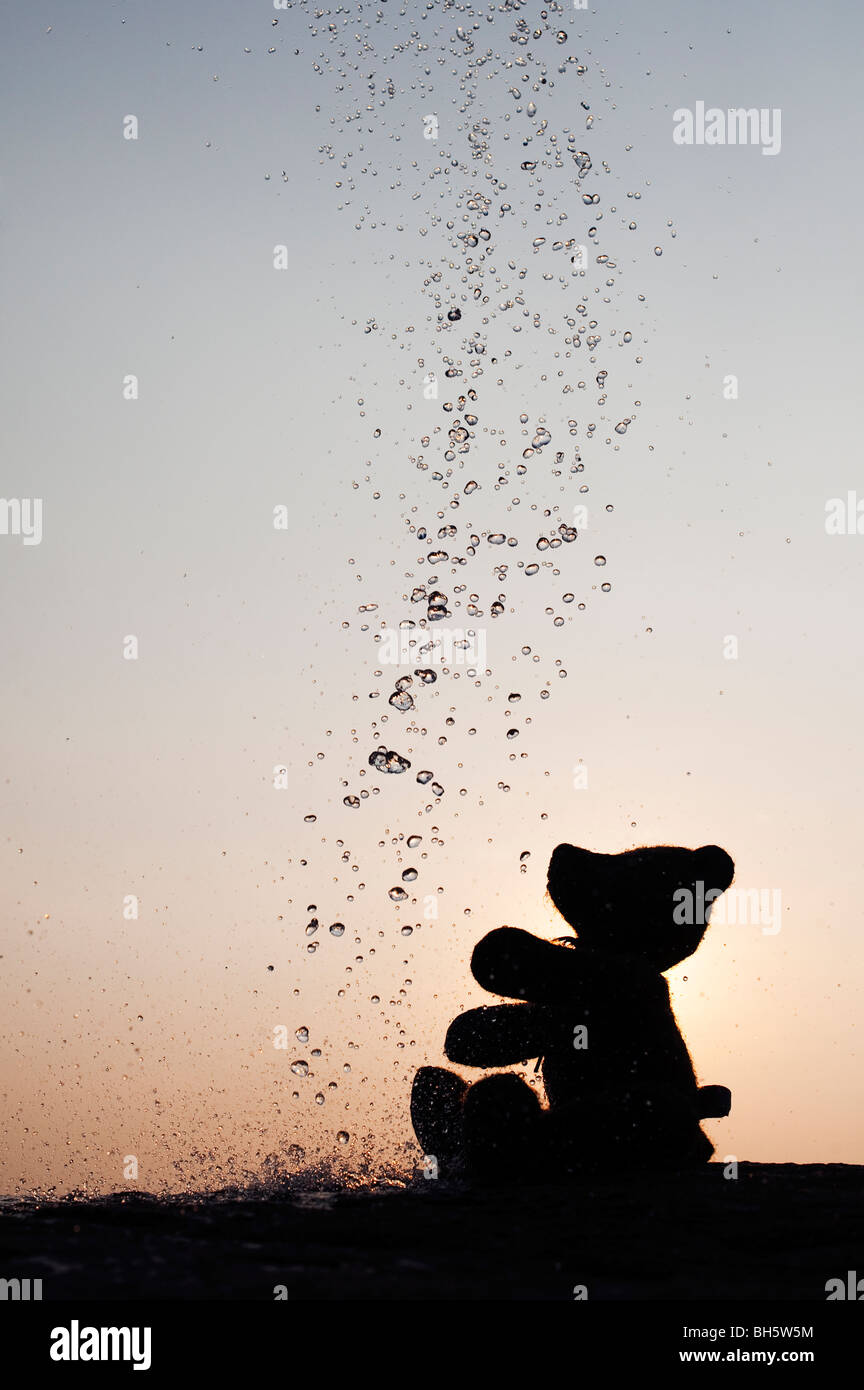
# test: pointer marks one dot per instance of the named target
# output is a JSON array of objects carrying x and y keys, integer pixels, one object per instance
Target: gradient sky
[{"x": 154, "y": 777}]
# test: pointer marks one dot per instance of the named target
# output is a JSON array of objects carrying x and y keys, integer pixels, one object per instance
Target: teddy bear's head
[{"x": 652, "y": 902}]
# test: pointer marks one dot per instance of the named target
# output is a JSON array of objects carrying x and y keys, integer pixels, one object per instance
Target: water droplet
[
  {"x": 401, "y": 700},
  {"x": 385, "y": 760},
  {"x": 300, "y": 1068}
]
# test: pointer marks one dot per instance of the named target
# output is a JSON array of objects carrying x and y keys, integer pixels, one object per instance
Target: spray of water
[{"x": 523, "y": 348}]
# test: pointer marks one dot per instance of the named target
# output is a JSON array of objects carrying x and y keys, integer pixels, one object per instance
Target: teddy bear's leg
[
  {"x": 649, "y": 1128},
  {"x": 436, "y": 1114},
  {"x": 589, "y": 1135},
  {"x": 504, "y": 1129},
  {"x": 703, "y": 1149},
  {"x": 662, "y": 1129}
]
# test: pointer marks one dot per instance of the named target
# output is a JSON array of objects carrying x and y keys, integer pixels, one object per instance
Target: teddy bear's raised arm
[
  {"x": 514, "y": 963},
  {"x": 496, "y": 1036}
]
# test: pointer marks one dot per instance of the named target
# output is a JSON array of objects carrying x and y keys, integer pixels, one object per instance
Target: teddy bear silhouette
[{"x": 621, "y": 1091}]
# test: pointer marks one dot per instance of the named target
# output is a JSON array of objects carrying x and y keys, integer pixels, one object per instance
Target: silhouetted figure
[{"x": 621, "y": 1089}]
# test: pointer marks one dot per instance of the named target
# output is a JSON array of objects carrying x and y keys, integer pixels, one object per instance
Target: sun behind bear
[{"x": 621, "y": 1090}]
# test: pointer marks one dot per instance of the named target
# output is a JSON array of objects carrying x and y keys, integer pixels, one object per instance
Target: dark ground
[{"x": 780, "y": 1231}]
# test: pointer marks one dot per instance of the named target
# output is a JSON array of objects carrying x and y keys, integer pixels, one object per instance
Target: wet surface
[{"x": 778, "y": 1231}]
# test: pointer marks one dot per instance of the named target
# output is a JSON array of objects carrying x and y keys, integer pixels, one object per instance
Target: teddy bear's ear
[
  {"x": 573, "y": 857},
  {"x": 716, "y": 869}
]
